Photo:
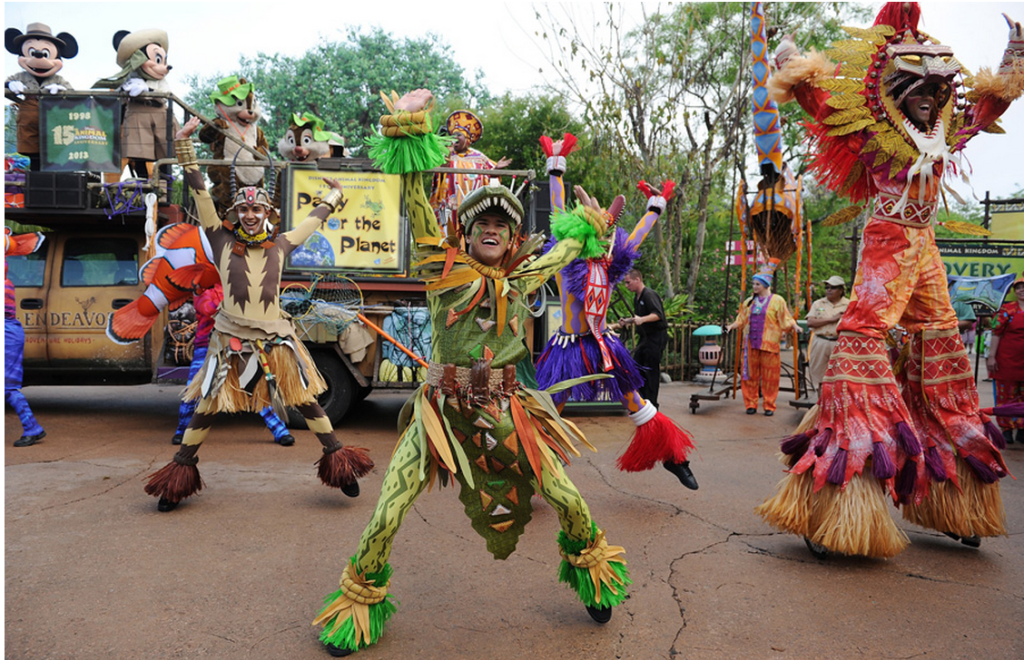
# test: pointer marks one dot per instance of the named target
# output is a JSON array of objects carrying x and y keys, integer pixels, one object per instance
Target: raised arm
[
  {"x": 795, "y": 77},
  {"x": 186, "y": 152},
  {"x": 422, "y": 220},
  {"x": 583, "y": 227},
  {"x": 333, "y": 202},
  {"x": 556, "y": 151},
  {"x": 996, "y": 91},
  {"x": 407, "y": 145},
  {"x": 657, "y": 200}
]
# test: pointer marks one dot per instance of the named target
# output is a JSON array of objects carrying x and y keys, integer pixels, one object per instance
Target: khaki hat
[
  {"x": 835, "y": 280},
  {"x": 13, "y": 39},
  {"x": 133, "y": 41}
]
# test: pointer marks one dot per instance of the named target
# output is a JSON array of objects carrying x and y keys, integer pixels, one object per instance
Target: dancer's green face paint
[{"x": 489, "y": 238}]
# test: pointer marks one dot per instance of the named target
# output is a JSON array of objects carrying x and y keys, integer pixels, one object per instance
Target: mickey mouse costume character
[
  {"x": 41, "y": 55},
  {"x": 888, "y": 124},
  {"x": 254, "y": 358},
  {"x": 142, "y": 56}
]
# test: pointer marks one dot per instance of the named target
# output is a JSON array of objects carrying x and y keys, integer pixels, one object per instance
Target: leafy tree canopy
[{"x": 340, "y": 82}]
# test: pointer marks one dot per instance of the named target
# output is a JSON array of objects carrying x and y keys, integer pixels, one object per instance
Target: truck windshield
[{"x": 100, "y": 262}]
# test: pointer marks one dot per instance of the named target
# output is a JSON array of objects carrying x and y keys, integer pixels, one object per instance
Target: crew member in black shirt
[{"x": 651, "y": 330}]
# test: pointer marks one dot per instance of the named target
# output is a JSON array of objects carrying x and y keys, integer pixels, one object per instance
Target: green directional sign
[{"x": 80, "y": 133}]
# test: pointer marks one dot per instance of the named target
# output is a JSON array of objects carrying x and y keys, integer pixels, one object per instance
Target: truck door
[
  {"x": 31, "y": 278},
  {"x": 93, "y": 275}
]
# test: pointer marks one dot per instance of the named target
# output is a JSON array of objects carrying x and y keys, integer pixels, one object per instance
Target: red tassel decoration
[{"x": 657, "y": 441}]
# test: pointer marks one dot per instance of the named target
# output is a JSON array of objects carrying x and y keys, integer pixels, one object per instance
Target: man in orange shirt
[{"x": 763, "y": 317}]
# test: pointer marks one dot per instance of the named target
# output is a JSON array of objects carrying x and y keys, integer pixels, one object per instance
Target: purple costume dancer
[{"x": 583, "y": 344}]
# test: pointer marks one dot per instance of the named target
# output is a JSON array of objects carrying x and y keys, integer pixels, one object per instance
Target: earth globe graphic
[{"x": 316, "y": 251}]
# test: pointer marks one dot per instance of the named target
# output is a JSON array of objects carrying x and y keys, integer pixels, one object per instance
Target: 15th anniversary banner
[{"x": 80, "y": 133}]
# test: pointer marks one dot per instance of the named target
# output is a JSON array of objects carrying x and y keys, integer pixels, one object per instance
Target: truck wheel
[{"x": 341, "y": 390}]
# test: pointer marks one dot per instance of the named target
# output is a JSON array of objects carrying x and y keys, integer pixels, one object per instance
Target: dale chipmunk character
[
  {"x": 238, "y": 114},
  {"x": 307, "y": 141},
  {"x": 41, "y": 56}
]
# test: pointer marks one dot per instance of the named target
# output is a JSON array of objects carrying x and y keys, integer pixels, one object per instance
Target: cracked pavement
[{"x": 238, "y": 571}]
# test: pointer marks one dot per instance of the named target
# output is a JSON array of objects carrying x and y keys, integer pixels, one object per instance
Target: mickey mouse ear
[
  {"x": 10, "y": 34},
  {"x": 119, "y": 37},
  {"x": 71, "y": 45}
]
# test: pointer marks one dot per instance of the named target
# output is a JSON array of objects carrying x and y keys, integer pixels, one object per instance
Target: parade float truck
[{"x": 373, "y": 333}]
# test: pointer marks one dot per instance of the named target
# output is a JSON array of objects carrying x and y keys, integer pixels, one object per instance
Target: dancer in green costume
[{"x": 472, "y": 421}]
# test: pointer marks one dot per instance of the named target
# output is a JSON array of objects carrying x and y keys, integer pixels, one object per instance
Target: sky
[{"x": 498, "y": 39}]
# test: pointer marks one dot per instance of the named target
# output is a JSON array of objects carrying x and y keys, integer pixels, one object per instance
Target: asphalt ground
[{"x": 92, "y": 570}]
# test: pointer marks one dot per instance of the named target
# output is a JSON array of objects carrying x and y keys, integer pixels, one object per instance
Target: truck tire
[{"x": 340, "y": 393}]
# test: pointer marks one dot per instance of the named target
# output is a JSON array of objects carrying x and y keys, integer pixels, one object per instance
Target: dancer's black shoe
[
  {"x": 29, "y": 440},
  {"x": 683, "y": 473},
  {"x": 818, "y": 550},
  {"x": 338, "y": 651},
  {"x": 352, "y": 489},
  {"x": 969, "y": 541},
  {"x": 602, "y": 616},
  {"x": 165, "y": 505}
]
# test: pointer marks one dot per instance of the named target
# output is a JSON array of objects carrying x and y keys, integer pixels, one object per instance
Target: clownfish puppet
[
  {"x": 41, "y": 55},
  {"x": 142, "y": 56},
  {"x": 237, "y": 114}
]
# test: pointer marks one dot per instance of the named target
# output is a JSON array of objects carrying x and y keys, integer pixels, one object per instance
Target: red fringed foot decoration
[
  {"x": 657, "y": 440},
  {"x": 340, "y": 467},
  {"x": 178, "y": 479}
]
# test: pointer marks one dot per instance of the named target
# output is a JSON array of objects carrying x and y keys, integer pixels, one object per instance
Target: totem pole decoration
[{"x": 774, "y": 221}]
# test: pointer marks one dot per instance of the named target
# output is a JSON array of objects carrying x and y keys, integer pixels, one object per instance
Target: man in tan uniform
[{"x": 823, "y": 319}]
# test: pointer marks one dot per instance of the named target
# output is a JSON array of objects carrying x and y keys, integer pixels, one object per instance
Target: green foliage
[
  {"x": 10, "y": 128},
  {"x": 340, "y": 82},
  {"x": 671, "y": 99},
  {"x": 677, "y": 309}
]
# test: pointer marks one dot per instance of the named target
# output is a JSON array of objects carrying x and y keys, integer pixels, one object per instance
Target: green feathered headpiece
[{"x": 573, "y": 224}]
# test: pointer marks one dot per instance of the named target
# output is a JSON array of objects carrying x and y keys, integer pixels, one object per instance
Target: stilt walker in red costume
[
  {"x": 888, "y": 124},
  {"x": 583, "y": 346}
]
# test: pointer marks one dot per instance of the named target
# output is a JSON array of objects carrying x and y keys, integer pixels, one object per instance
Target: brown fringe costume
[{"x": 254, "y": 359}]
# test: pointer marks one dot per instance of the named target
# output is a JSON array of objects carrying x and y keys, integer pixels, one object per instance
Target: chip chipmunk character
[{"x": 306, "y": 141}]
